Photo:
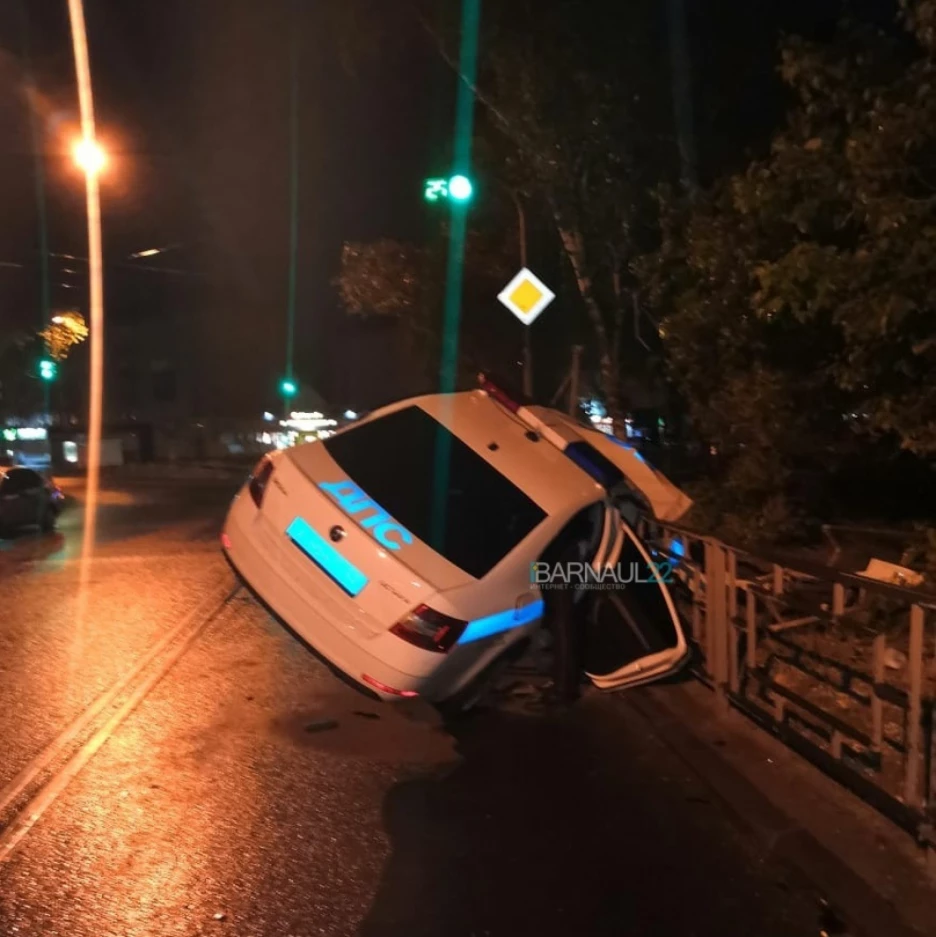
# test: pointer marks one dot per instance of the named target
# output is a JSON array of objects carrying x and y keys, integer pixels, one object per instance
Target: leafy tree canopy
[
  {"x": 799, "y": 296},
  {"x": 406, "y": 282}
]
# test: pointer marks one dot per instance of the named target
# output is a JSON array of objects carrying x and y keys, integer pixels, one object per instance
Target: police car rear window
[{"x": 437, "y": 487}]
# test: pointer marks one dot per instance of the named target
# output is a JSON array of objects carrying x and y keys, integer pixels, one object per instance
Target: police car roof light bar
[
  {"x": 522, "y": 413},
  {"x": 580, "y": 451},
  {"x": 494, "y": 392}
]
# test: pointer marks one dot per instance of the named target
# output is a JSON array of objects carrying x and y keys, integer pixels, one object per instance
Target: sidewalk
[{"x": 866, "y": 868}]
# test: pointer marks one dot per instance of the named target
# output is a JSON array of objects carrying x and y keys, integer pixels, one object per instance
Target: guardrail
[{"x": 839, "y": 666}]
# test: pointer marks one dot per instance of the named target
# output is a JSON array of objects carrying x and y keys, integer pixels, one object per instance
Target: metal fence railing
[{"x": 840, "y": 667}]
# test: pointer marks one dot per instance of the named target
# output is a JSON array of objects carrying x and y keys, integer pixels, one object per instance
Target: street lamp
[{"x": 89, "y": 156}]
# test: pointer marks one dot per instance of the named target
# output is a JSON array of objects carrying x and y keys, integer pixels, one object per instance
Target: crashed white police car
[{"x": 402, "y": 549}]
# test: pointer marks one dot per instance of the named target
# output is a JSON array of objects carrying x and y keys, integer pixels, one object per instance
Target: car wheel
[
  {"x": 48, "y": 519},
  {"x": 474, "y": 693}
]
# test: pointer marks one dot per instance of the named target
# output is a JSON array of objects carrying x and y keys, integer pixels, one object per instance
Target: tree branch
[{"x": 450, "y": 60}]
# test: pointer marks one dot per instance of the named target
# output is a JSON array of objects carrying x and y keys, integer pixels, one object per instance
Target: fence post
[
  {"x": 878, "y": 650},
  {"x": 777, "y": 579},
  {"x": 930, "y": 793},
  {"x": 750, "y": 617},
  {"x": 732, "y": 583},
  {"x": 716, "y": 619},
  {"x": 912, "y": 794},
  {"x": 838, "y": 600},
  {"x": 734, "y": 666},
  {"x": 931, "y": 785},
  {"x": 697, "y": 606}
]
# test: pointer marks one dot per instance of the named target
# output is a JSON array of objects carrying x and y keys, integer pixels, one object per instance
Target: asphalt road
[{"x": 233, "y": 786}]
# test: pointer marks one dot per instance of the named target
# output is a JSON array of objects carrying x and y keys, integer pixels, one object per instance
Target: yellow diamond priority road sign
[{"x": 526, "y": 296}]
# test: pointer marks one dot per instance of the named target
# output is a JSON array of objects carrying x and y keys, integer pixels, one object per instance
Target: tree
[
  {"x": 397, "y": 280},
  {"x": 66, "y": 330},
  {"x": 406, "y": 282},
  {"x": 798, "y": 295}
]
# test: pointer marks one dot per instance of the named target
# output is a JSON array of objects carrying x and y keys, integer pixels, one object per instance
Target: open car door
[{"x": 632, "y": 632}]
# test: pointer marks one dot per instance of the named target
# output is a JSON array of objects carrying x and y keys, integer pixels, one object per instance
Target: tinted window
[
  {"x": 437, "y": 487},
  {"x": 21, "y": 480}
]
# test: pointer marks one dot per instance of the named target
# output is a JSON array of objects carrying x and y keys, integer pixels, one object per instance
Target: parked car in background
[{"x": 27, "y": 499}]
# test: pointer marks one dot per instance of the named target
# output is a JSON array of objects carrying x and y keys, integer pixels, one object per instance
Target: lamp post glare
[{"x": 89, "y": 156}]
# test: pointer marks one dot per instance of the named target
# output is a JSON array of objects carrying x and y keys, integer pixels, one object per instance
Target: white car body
[{"x": 341, "y": 570}]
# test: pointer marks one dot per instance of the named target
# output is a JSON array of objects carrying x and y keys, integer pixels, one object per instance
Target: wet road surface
[{"x": 249, "y": 792}]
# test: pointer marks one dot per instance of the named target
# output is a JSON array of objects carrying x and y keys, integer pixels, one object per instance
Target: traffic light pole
[{"x": 464, "y": 123}]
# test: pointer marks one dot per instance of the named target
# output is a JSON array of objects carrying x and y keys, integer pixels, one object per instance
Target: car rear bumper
[
  {"x": 344, "y": 677},
  {"x": 312, "y": 624}
]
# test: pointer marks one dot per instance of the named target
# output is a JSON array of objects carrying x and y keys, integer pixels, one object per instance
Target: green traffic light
[
  {"x": 460, "y": 188},
  {"x": 48, "y": 370},
  {"x": 288, "y": 388}
]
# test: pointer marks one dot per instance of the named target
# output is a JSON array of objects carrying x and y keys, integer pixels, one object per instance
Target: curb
[{"x": 869, "y": 913}]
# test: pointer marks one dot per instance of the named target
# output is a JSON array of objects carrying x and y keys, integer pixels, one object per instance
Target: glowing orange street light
[{"x": 89, "y": 156}]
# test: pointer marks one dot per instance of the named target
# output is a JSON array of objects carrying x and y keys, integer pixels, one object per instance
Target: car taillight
[
  {"x": 429, "y": 629},
  {"x": 259, "y": 480}
]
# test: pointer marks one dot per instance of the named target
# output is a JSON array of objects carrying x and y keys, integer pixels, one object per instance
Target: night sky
[{"x": 192, "y": 98}]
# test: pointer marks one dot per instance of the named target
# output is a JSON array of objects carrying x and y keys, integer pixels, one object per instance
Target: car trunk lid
[{"x": 373, "y": 563}]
